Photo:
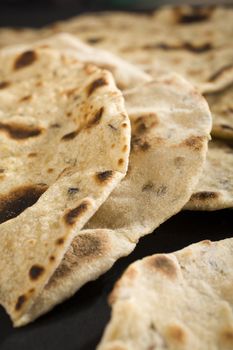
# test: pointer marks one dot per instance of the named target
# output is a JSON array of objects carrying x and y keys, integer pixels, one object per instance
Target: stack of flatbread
[{"x": 104, "y": 135}]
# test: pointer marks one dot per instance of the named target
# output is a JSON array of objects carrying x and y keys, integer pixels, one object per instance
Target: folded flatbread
[
  {"x": 170, "y": 124},
  {"x": 176, "y": 301},
  {"x": 214, "y": 190},
  {"x": 64, "y": 143}
]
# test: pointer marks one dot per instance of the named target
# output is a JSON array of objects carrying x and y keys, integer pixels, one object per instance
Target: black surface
[{"x": 78, "y": 323}]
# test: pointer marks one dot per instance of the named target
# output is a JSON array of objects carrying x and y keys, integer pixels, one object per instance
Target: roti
[
  {"x": 181, "y": 300},
  {"x": 170, "y": 124},
  {"x": 215, "y": 187},
  {"x": 193, "y": 42},
  {"x": 126, "y": 75},
  {"x": 65, "y": 139}
]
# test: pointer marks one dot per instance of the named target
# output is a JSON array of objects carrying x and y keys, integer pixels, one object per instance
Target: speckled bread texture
[
  {"x": 221, "y": 106},
  {"x": 126, "y": 75},
  {"x": 170, "y": 124},
  {"x": 194, "y": 42},
  {"x": 176, "y": 301},
  {"x": 214, "y": 190},
  {"x": 64, "y": 143}
]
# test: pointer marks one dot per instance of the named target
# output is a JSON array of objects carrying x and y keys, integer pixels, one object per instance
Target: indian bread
[
  {"x": 64, "y": 141},
  {"x": 214, "y": 190},
  {"x": 184, "y": 20},
  {"x": 194, "y": 42},
  {"x": 177, "y": 301},
  {"x": 126, "y": 75},
  {"x": 170, "y": 124}
]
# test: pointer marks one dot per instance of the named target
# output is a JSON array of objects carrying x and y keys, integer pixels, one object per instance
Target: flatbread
[
  {"x": 175, "y": 301},
  {"x": 196, "y": 43},
  {"x": 64, "y": 140},
  {"x": 221, "y": 105},
  {"x": 214, "y": 190},
  {"x": 126, "y": 75},
  {"x": 170, "y": 130},
  {"x": 184, "y": 20}
]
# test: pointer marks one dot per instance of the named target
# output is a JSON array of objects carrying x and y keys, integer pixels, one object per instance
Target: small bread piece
[
  {"x": 170, "y": 124},
  {"x": 176, "y": 301},
  {"x": 58, "y": 121},
  {"x": 214, "y": 190}
]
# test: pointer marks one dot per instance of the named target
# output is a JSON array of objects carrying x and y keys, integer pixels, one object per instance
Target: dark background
[{"x": 78, "y": 323}]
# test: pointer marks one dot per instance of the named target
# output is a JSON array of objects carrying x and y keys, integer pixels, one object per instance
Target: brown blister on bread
[
  {"x": 95, "y": 85},
  {"x": 94, "y": 40},
  {"x": 19, "y": 131},
  {"x": 176, "y": 334},
  {"x": 60, "y": 241},
  {"x": 87, "y": 246},
  {"x": 190, "y": 15},
  {"x": 205, "y": 195},
  {"x": 103, "y": 176},
  {"x": 25, "y": 59},
  {"x": 148, "y": 186},
  {"x": 179, "y": 161},
  {"x": 139, "y": 144},
  {"x": 72, "y": 215},
  {"x": 4, "y": 84},
  {"x": 120, "y": 161},
  {"x": 32, "y": 154},
  {"x": 69, "y": 136},
  {"x": 195, "y": 142},
  {"x": 72, "y": 191},
  {"x": 15, "y": 202},
  {"x": 36, "y": 271},
  {"x": 226, "y": 336},
  {"x": 21, "y": 300},
  {"x": 184, "y": 46},
  {"x": 163, "y": 264},
  {"x": 26, "y": 98},
  {"x": 96, "y": 119}
]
